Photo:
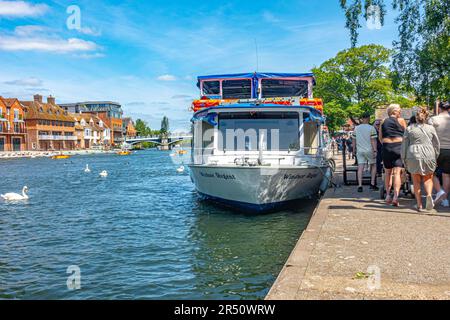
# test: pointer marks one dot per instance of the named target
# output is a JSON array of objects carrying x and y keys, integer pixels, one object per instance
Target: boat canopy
[
  {"x": 256, "y": 85},
  {"x": 255, "y": 75},
  {"x": 209, "y": 115}
]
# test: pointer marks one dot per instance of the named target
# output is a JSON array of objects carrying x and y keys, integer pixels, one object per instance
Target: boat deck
[{"x": 352, "y": 237}]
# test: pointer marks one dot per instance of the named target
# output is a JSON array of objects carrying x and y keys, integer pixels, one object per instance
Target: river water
[{"x": 140, "y": 233}]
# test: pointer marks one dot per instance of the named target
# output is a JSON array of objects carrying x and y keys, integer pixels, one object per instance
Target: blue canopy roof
[
  {"x": 256, "y": 75},
  {"x": 203, "y": 115}
]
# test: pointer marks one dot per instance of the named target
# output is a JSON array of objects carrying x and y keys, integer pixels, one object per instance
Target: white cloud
[
  {"x": 182, "y": 96},
  {"x": 269, "y": 17},
  {"x": 21, "y": 9},
  {"x": 90, "y": 31},
  {"x": 56, "y": 45},
  {"x": 167, "y": 77},
  {"x": 27, "y": 82},
  {"x": 90, "y": 55},
  {"x": 28, "y": 30}
]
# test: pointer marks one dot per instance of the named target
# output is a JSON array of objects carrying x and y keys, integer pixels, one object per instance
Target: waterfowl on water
[
  {"x": 16, "y": 196},
  {"x": 180, "y": 169}
]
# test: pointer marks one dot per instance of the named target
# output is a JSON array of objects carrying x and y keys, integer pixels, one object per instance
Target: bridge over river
[{"x": 164, "y": 141}]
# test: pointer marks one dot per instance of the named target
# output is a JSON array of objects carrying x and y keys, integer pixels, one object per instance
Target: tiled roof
[
  {"x": 87, "y": 117},
  {"x": 44, "y": 111},
  {"x": 9, "y": 101}
]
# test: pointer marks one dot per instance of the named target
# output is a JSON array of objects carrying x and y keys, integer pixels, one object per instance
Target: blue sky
[{"x": 146, "y": 54}]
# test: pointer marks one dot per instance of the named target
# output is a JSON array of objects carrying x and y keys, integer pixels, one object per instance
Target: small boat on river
[
  {"x": 124, "y": 153},
  {"x": 60, "y": 157}
]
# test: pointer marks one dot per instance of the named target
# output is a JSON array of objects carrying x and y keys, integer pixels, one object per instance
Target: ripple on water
[{"x": 141, "y": 233}]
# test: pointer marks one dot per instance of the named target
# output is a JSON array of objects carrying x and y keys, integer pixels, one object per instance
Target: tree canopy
[
  {"x": 165, "y": 125},
  {"x": 354, "y": 82},
  {"x": 422, "y": 51},
  {"x": 142, "y": 128}
]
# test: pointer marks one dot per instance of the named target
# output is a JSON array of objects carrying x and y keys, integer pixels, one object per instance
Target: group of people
[{"x": 421, "y": 147}]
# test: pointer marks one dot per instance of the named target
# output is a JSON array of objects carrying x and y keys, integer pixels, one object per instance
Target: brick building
[
  {"x": 109, "y": 112},
  {"x": 49, "y": 127},
  {"x": 129, "y": 129},
  {"x": 12, "y": 125}
]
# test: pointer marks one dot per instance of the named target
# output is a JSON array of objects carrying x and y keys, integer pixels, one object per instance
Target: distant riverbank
[{"x": 43, "y": 154}]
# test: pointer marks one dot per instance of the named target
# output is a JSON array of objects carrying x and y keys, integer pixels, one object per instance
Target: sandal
[
  {"x": 395, "y": 203},
  {"x": 388, "y": 200}
]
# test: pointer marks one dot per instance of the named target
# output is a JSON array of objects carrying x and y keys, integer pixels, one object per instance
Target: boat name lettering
[
  {"x": 224, "y": 176},
  {"x": 300, "y": 176}
]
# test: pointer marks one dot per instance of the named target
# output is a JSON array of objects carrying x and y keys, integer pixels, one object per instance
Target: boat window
[
  {"x": 284, "y": 88},
  {"x": 211, "y": 87},
  {"x": 237, "y": 89},
  {"x": 244, "y": 131},
  {"x": 310, "y": 135}
]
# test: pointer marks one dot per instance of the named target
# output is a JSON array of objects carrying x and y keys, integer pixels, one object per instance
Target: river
[{"x": 140, "y": 233}]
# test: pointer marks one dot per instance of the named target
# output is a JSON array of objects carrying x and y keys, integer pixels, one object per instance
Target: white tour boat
[{"x": 257, "y": 140}]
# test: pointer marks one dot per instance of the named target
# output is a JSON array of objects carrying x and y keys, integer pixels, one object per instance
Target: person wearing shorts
[
  {"x": 441, "y": 123},
  {"x": 391, "y": 136},
  {"x": 365, "y": 140}
]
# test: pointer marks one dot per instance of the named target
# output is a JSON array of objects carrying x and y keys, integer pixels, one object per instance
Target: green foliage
[
  {"x": 422, "y": 51},
  {"x": 354, "y": 82},
  {"x": 165, "y": 125},
  {"x": 354, "y": 10},
  {"x": 141, "y": 128},
  {"x": 336, "y": 115}
]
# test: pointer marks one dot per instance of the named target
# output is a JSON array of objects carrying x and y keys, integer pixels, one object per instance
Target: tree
[
  {"x": 422, "y": 51},
  {"x": 141, "y": 128},
  {"x": 165, "y": 125},
  {"x": 355, "y": 81}
]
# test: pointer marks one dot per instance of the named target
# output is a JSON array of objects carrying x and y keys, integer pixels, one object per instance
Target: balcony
[
  {"x": 4, "y": 130},
  {"x": 61, "y": 138}
]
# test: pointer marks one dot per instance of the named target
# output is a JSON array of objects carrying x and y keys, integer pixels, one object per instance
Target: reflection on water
[{"x": 141, "y": 233}]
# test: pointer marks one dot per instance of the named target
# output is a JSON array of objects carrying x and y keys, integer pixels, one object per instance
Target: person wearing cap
[
  {"x": 365, "y": 140},
  {"x": 441, "y": 123}
]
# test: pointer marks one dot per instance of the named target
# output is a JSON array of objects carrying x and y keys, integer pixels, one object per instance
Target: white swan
[
  {"x": 87, "y": 170},
  {"x": 16, "y": 196},
  {"x": 104, "y": 174},
  {"x": 180, "y": 169}
]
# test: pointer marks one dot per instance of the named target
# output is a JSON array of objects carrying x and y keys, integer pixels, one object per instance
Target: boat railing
[{"x": 203, "y": 156}]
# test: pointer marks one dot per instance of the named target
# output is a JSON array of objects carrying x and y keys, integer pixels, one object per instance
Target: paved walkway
[{"x": 356, "y": 247}]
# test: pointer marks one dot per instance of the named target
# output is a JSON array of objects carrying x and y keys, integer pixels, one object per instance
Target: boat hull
[{"x": 256, "y": 188}]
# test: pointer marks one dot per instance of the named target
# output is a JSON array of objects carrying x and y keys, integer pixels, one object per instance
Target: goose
[
  {"x": 104, "y": 174},
  {"x": 180, "y": 169},
  {"x": 87, "y": 170},
  {"x": 16, "y": 196}
]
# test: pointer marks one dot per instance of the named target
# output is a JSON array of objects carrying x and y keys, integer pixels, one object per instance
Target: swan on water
[
  {"x": 104, "y": 174},
  {"x": 87, "y": 170},
  {"x": 16, "y": 196},
  {"x": 180, "y": 169}
]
